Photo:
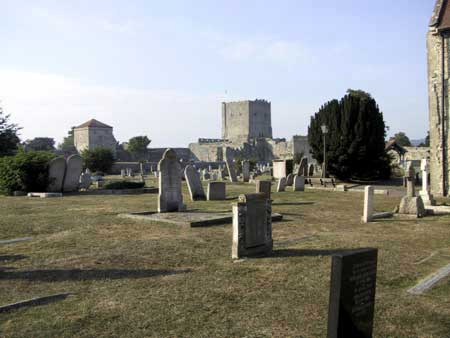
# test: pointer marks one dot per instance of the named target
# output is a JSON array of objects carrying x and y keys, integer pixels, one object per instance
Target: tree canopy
[
  {"x": 402, "y": 140},
  {"x": 9, "y": 139},
  {"x": 138, "y": 145},
  {"x": 98, "y": 159},
  {"x": 40, "y": 144}
]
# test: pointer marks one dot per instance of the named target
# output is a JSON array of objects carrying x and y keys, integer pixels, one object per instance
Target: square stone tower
[
  {"x": 438, "y": 44},
  {"x": 245, "y": 120},
  {"x": 94, "y": 134}
]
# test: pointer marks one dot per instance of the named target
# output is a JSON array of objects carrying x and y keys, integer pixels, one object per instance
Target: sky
[{"x": 162, "y": 68}]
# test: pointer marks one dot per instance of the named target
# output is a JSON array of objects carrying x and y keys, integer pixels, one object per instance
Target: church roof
[
  {"x": 441, "y": 15},
  {"x": 93, "y": 123}
]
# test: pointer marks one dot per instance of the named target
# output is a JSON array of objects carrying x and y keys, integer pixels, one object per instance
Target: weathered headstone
[
  {"x": 368, "y": 204},
  {"x": 289, "y": 180},
  {"x": 264, "y": 187},
  {"x": 194, "y": 184},
  {"x": 245, "y": 171},
  {"x": 56, "y": 172},
  {"x": 122, "y": 173},
  {"x": 252, "y": 226},
  {"x": 170, "y": 198},
  {"x": 216, "y": 191},
  {"x": 352, "y": 294},
  {"x": 427, "y": 198},
  {"x": 412, "y": 206},
  {"x": 220, "y": 174},
  {"x": 410, "y": 182},
  {"x": 299, "y": 183},
  {"x": 303, "y": 167},
  {"x": 230, "y": 165},
  {"x": 73, "y": 173},
  {"x": 281, "y": 184},
  {"x": 85, "y": 181},
  {"x": 311, "y": 170}
]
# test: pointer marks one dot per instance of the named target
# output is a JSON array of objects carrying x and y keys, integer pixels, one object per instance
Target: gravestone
[
  {"x": 216, "y": 191},
  {"x": 410, "y": 182},
  {"x": 427, "y": 198},
  {"x": 289, "y": 180},
  {"x": 252, "y": 226},
  {"x": 56, "y": 172},
  {"x": 194, "y": 184},
  {"x": 299, "y": 183},
  {"x": 352, "y": 294},
  {"x": 73, "y": 173},
  {"x": 368, "y": 204},
  {"x": 245, "y": 171},
  {"x": 85, "y": 181},
  {"x": 230, "y": 165},
  {"x": 281, "y": 187},
  {"x": 303, "y": 167},
  {"x": 410, "y": 204},
  {"x": 311, "y": 170},
  {"x": 170, "y": 198},
  {"x": 122, "y": 173},
  {"x": 220, "y": 174},
  {"x": 264, "y": 187}
]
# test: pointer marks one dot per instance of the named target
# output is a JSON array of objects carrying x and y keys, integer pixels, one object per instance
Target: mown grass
[{"x": 135, "y": 279}]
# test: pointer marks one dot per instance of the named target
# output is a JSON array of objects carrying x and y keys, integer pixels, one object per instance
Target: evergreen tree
[
  {"x": 68, "y": 144},
  {"x": 355, "y": 140},
  {"x": 9, "y": 140}
]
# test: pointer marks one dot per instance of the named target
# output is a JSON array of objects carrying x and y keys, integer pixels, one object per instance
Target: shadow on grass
[
  {"x": 12, "y": 258},
  {"x": 59, "y": 275},
  {"x": 293, "y": 203},
  {"x": 306, "y": 252}
]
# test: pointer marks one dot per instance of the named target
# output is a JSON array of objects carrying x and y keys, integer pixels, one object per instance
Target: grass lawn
[{"x": 135, "y": 279}]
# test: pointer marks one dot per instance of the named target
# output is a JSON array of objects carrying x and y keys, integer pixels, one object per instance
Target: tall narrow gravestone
[
  {"x": 252, "y": 226},
  {"x": 427, "y": 198},
  {"x": 264, "y": 187},
  {"x": 245, "y": 171},
  {"x": 230, "y": 165},
  {"x": 194, "y": 184},
  {"x": 170, "y": 196},
  {"x": 368, "y": 204},
  {"x": 299, "y": 183},
  {"x": 289, "y": 180},
  {"x": 56, "y": 172},
  {"x": 73, "y": 173},
  {"x": 281, "y": 184},
  {"x": 352, "y": 294},
  {"x": 303, "y": 167}
]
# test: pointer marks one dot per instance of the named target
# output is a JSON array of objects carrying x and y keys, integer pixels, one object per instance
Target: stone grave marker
[
  {"x": 252, "y": 226},
  {"x": 56, "y": 172},
  {"x": 311, "y": 170},
  {"x": 299, "y": 183},
  {"x": 73, "y": 173},
  {"x": 264, "y": 187},
  {"x": 194, "y": 184},
  {"x": 230, "y": 165},
  {"x": 85, "y": 181},
  {"x": 281, "y": 187},
  {"x": 427, "y": 198},
  {"x": 246, "y": 171},
  {"x": 410, "y": 182},
  {"x": 368, "y": 204},
  {"x": 303, "y": 167},
  {"x": 352, "y": 294},
  {"x": 216, "y": 191},
  {"x": 170, "y": 198},
  {"x": 289, "y": 180}
]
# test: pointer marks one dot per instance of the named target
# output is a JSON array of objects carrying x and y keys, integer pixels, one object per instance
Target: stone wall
[{"x": 91, "y": 138}]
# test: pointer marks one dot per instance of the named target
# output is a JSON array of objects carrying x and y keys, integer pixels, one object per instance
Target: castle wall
[
  {"x": 81, "y": 139},
  {"x": 235, "y": 120},
  {"x": 260, "y": 119}
]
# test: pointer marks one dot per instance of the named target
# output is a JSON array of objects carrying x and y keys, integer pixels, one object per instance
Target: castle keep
[
  {"x": 438, "y": 45},
  {"x": 94, "y": 134}
]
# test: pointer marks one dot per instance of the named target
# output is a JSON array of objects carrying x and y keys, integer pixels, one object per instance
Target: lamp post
[{"x": 324, "y": 167}]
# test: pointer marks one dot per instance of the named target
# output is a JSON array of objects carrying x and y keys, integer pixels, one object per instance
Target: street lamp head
[{"x": 324, "y": 128}]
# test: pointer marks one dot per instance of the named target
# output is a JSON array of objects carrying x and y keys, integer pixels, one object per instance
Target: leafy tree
[
  {"x": 427, "y": 141},
  {"x": 9, "y": 140},
  {"x": 98, "y": 159},
  {"x": 402, "y": 140},
  {"x": 355, "y": 140},
  {"x": 40, "y": 144},
  {"x": 68, "y": 144},
  {"x": 138, "y": 145}
]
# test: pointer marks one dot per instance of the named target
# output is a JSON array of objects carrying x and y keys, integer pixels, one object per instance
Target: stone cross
[
  {"x": 170, "y": 198},
  {"x": 368, "y": 204}
]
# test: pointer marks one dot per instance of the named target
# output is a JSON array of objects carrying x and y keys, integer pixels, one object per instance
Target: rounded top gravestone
[
  {"x": 56, "y": 172},
  {"x": 73, "y": 173}
]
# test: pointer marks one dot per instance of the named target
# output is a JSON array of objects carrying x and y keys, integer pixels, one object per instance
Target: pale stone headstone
[
  {"x": 264, "y": 187},
  {"x": 56, "y": 172},
  {"x": 194, "y": 184},
  {"x": 85, "y": 181},
  {"x": 170, "y": 198},
  {"x": 299, "y": 183},
  {"x": 230, "y": 165},
  {"x": 122, "y": 173},
  {"x": 410, "y": 182},
  {"x": 427, "y": 198},
  {"x": 412, "y": 206},
  {"x": 216, "y": 191},
  {"x": 220, "y": 174},
  {"x": 368, "y": 204},
  {"x": 289, "y": 180},
  {"x": 73, "y": 173},
  {"x": 245, "y": 171},
  {"x": 252, "y": 226},
  {"x": 281, "y": 184}
]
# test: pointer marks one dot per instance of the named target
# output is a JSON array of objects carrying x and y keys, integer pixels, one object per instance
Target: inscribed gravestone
[
  {"x": 368, "y": 204},
  {"x": 56, "y": 172},
  {"x": 252, "y": 226},
  {"x": 352, "y": 294},
  {"x": 289, "y": 180},
  {"x": 216, "y": 191},
  {"x": 299, "y": 183},
  {"x": 230, "y": 165},
  {"x": 170, "y": 198},
  {"x": 264, "y": 187},
  {"x": 281, "y": 184},
  {"x": 73, "y": 173},
  {"x": 245, "y": 171},
  {"x": 194, "y": 184}
]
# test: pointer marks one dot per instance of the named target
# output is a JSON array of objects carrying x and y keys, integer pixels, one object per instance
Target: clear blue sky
[{"x": 161, "y": 68}]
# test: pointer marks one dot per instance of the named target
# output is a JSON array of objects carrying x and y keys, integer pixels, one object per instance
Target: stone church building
[{"x": 438, "y": 46}]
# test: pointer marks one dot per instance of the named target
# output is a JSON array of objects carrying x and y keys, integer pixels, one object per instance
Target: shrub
[
  {"x": 120, "y": 185},
  {"x": 26, "y": 171},
  {"x": 98, "y": 159}
]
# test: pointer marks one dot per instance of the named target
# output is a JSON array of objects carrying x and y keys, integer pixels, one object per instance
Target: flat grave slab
[
  {"x": 189, "y": 218},
  {"x": 45, "y": 194}
]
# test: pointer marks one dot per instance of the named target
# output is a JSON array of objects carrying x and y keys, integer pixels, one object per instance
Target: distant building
[{"x": 94, "y": 134}]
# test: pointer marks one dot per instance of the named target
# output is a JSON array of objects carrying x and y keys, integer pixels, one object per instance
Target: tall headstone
[
  {"x": 230, "y": 165},
  {"x": 264, "y": 187},
  {"x": 252, "y": 226},
  {"x": 281, "y": 184},
  {"x": 56, "y": 172},
  {"x": 220, "y": 175},
  {"x": 410, "y": 181},
  {"x": 303, "y": 167},
  {"x": 245, "y": 171},
  {"x": 289, "y": 180},
  {"x": 352, "y": 294},
  {"x": 216, "y": 191},
  {"x": 73, "y": 173},
  {"x": 427, "y": 198},
  {"x": 170, "y": 197},
  {"x": 368, "y": 204},
  {"x": 299, "y": 183},
  {"x": 194, "y": 184},
  {"x": 311, "y": 170}
]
